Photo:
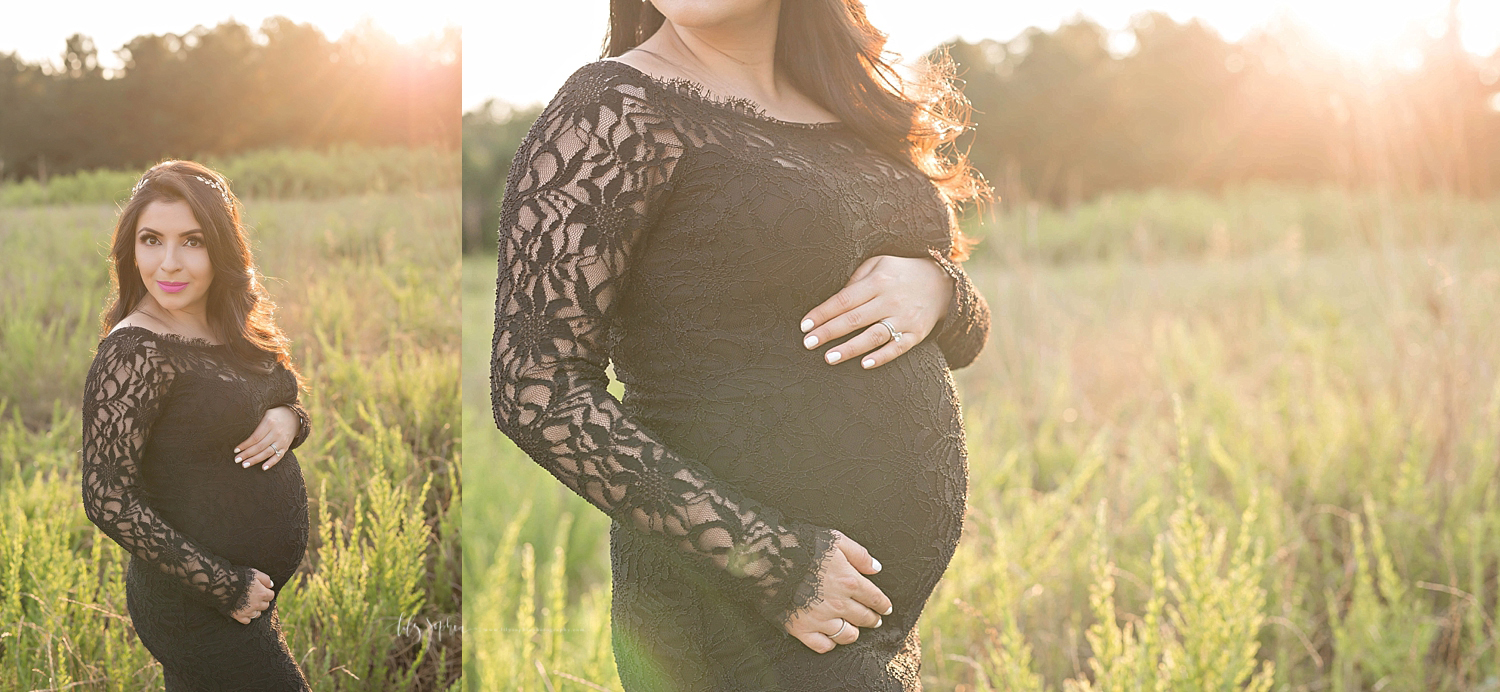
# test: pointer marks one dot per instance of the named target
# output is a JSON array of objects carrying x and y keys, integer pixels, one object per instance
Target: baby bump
[
  {"x": 878, "y": 455},
  {"x": 250, "y": 517}
]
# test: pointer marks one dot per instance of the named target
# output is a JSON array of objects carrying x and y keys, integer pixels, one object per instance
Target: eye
[
  {"x": 149, "y": 240},
  {"x": 194, "y": 242}
]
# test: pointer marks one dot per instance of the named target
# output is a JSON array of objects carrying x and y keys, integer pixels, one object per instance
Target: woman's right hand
[
  {"x": 846, "y": 596},
  {"x": 260, "y": 598}
]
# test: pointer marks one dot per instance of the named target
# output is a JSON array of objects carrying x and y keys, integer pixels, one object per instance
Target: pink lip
[{"x": 170, "y": 287}]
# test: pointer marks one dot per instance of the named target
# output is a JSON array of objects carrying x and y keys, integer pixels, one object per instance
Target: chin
[
  {"x": 177, "y": 302},
  {"x": 699, "y": 14}
]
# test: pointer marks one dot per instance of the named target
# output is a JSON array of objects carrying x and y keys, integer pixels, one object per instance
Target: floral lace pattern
[
  {"x": 679, "y": 237},
  {"x": 161, "y": 413},
  {"x": 130, "y": 375}
]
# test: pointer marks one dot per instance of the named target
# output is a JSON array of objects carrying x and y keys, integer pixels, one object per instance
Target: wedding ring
[
  {"x": 275, "y": 449},
  {"x": 841, "y": 628},
  {"x": 895, "y": 335}
]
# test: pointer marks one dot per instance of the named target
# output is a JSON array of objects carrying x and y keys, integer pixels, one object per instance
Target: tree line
[
  {"x": 1060, "y": 118},
  {"x": 225, "y": 90}
]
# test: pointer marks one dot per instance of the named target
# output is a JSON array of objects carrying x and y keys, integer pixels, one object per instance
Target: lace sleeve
[
  {"x": 304, "y": 425},
  {"x": 304, "y": 421},
  {"x": 962, "y": 333},
  {"x": 121, "y": 400},
  {"x": 577, "y": 200}
]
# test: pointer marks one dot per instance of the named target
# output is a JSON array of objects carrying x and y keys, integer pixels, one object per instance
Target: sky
[
  {"x": 37, "y": 30},
  {"x": 520, "y": 51},
  {"x": 551, "y": 39}
]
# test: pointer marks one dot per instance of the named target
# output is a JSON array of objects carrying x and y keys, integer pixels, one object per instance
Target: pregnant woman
[
  {"x": 190, "y": 416},
  {"x": 711, "y": 208}
]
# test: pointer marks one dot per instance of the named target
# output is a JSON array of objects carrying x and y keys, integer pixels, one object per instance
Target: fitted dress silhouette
[
  {"x": 682, "y": 237},
  {"x": 162, "y": 414}
]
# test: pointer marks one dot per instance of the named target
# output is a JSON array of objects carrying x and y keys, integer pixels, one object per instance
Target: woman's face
[{"x": 172, "y": 257}]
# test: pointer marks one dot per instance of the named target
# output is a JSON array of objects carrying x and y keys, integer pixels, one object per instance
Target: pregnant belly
[
  {"x": 251, "y": 517},
  {"x": 877, "y": 454}
]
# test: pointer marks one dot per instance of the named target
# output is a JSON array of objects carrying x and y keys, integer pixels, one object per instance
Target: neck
[
  {"x": 188, "y": 321},
  {"x": 740, "y": 51}
]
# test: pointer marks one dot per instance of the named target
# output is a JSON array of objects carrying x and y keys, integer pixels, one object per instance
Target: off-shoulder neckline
[
  {"x": 169, "y": 336},
  {"x": 736, "y": 104}
]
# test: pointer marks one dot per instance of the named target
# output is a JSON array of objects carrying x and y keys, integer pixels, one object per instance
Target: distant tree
[
  {"x": 491, "y": 133},
  {"x": 222, "y": 90},
  {"x": 1060, "y": 118}
]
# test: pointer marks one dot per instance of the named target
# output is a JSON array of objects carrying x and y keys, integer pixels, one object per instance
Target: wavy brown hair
[
  {"x": 240, "y": 311},
  {"x": 830, "y": 52}
]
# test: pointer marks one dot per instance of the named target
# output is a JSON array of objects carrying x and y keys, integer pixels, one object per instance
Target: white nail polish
[
  {"x": 888, "y": 609},
  {"x": 868, "y": 363},
  {"x": 833, "y": 356},
  {"x": 877, "y": 564},
  {"x": 237, "y": 459},
  {"x": 807, "y": 324},
  {"x": 236, "y": 450},
  {"x": 879, "y": 621},
  {"x": 810, "y": 341}
]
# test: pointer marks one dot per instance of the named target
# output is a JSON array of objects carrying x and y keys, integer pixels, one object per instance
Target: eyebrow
[{"x": 195, "y": 231}]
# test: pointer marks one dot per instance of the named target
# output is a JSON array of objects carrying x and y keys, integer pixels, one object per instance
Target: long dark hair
[
  {"x": 239, "y": 309},
  {"x": 832, "y": 53}
]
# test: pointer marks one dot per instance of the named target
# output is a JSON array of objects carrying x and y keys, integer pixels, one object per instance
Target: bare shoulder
[
  {"x": 142, "y": 320},
  {"x": 649, "y": 64}
]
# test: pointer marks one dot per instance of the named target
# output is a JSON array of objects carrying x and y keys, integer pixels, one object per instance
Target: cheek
[
  {"x": 201, "y": 266},
  {"x": 146, "y": 258}
]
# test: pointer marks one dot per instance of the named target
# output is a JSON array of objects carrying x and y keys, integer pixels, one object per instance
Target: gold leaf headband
[{"x": 147, "y": 177}]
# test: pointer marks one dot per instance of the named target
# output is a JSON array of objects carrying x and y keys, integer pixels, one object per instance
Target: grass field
[
  {"x": 266, "y": 174},
  {"x": 1215, "y": 443},
  {"x": 367, "y": 288}
]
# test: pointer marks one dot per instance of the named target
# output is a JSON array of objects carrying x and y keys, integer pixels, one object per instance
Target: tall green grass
[
  {"x": 1241, "y": 222},
  {"x": 367, "y": 289},
  {"x": 266, "y": 174},
  {"x": 1271, "y": 466}
]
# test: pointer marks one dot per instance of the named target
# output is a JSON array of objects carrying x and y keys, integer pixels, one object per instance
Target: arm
[
  {"x": 121, "y": 400},
  {"x": 577, "y": 200},
  {"x": 304, "y": 420},
  {"x": 964, "y": 330},
  {"x": 304, "y": 425}
]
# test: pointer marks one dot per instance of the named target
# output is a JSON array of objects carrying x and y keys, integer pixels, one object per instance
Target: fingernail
[
  {"x": 868, "y": 362},
  {"x": 247, "y": 464},
  {"x": 237, "y": 459},
  {"x": 888, "y": 609},
  {"x": 810, "y": 341},
  {"x": 236, "y": 450},
  {"x": 266, "y": 466},
  {"x": 833, "y": 356},
  {"x": 877, "y": 564},
  {"x": 879, "y": 621},
  {"x": 806, "y": 324}
]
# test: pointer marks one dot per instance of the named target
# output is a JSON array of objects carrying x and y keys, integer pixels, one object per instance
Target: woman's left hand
[
  {"x": 270, "y": 440},
  {"x": 913, "y": 293}
]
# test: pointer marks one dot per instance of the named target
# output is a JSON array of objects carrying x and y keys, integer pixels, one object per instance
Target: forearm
[
  {"x": 965, "y": 327},
  {"x": 121, "y": 515}
]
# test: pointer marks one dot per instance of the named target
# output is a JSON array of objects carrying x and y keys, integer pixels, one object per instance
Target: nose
[{"x": 169, "y": 261}]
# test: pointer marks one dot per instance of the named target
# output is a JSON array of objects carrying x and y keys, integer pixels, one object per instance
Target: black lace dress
[
  {"x": 683, "y": 238},
  {"x": 161, "y": 416}
]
